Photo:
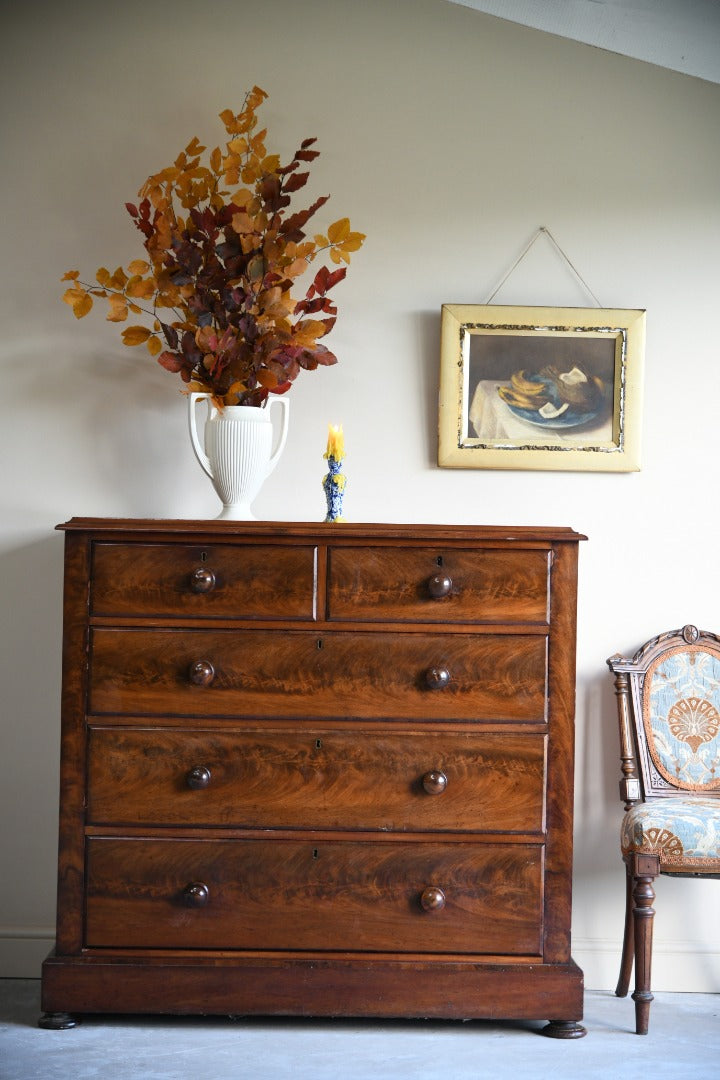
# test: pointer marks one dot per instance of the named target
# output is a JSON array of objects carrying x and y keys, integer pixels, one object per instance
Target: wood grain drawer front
[
  {"x": 414, "y": 676},
  {"x": 317, "y": 780},
  {"x": 325, "y": 895},
  {"x": 428, "y": 585},
  {"x": 204, "y": 581}
]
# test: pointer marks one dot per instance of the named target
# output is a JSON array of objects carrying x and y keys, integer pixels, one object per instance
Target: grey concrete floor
[{"x": 684, "y": 1042}]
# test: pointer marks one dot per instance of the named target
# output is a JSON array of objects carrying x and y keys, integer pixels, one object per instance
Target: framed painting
[{"x": 541, "y": 388}]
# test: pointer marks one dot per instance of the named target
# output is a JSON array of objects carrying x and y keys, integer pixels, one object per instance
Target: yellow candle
[{"x": 336, "y": 442}]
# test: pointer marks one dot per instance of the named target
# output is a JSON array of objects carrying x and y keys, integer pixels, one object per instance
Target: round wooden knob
[
  {"x": 202, "y": 580},
  {"x": 439, "y": 585},
  {"x": 201, "y": 672},
  {"x": 437, "y": 678},
  {"x": 432, "y": 899},
  {"x": 198, "y": 777},
  {"x": 196, "y": 894},
  {"x": 434, "y": 782}
]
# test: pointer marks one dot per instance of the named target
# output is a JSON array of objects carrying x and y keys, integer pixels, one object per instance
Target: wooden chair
[{"x": 668, "y": 698}]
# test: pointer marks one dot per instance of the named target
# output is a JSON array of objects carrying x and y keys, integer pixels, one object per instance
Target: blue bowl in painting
[{"x": 572, "y": 416}]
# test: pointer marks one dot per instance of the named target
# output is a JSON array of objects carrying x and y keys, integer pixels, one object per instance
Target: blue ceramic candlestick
[{"x": 334, "y": 487}]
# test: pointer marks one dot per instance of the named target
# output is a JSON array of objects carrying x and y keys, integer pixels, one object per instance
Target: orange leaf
[
  {"x": 267, "y": 379},
  {"x": 135, "y": 335},
  {"x": 297, "y": 267},
  {"x": 243, "y": 223},
  {"x": 140, "y": 288},
  {"x": 138, "y": 266},
  {"x": 154, "y": 345},
  {"x": 118, "y": 279},
  {"x": 71, "y": 275},
  {"x": 118, "y": 309},
  {"x": 79, "y": 301}
]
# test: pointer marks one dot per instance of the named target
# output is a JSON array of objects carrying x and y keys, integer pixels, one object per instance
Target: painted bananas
[
  {"x": 523, "y": 385},
  {"x": 523, "y": 393}
]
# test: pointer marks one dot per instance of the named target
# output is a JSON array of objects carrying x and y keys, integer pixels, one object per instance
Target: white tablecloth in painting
[{"x": 491, "y": 420}]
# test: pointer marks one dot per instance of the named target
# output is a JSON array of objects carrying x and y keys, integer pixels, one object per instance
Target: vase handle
[
  {"x": 285, "y": 405},
  {"x": 200, "y": 454}
]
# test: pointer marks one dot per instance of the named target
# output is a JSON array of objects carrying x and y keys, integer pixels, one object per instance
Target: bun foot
[
  {"x": 57, "y": 1021},
  {"x": 564, "y": 1029}
]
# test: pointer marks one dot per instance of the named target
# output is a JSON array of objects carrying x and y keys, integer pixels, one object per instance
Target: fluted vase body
[{"x": 237, "y": 450}]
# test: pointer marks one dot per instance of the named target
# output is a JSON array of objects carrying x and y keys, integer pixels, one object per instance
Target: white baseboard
[
  {"x": 23, "y": 949},
  {"x": 679, "y": 966}
]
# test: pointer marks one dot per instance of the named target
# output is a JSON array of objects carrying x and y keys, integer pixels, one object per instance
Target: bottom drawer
[{"x": 316, "y": 895}]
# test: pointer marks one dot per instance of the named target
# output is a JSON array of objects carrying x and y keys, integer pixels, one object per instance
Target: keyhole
[
  {"x": 439, "y": 560},
  {"x": 318, "y": 744},
  {"x": 203, "y": 556},
  {"x": 315, "y": 853},
  {"x": 319, "y": 644}
]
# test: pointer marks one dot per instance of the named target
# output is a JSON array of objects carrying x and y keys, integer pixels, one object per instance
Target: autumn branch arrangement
[{"x": 223, "y": 254}]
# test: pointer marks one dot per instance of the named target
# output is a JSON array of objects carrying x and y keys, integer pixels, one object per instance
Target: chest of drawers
[{"x": 316, "y": 770}]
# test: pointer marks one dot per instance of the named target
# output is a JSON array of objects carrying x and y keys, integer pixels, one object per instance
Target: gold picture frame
[{"x": 541, "y": 388}]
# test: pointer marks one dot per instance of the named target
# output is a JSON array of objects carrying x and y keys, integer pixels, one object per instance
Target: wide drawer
[
  {"x": 411, "y": 676},
  {"x": 431, "y": 585},
  {"x": 317, "y": 779},
  {"x": 204, "y": 581},
  {"x": 319, "y": 895}
]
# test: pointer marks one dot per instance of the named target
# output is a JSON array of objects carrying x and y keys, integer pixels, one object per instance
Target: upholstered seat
[
  {"x": 668, "y": 698},
  {"x": 683, "y": 832}
]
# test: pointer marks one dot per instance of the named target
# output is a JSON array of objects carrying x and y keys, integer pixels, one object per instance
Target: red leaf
[
  {"x": 294, "y": 183},
  {"x": 170, "y": 361}
]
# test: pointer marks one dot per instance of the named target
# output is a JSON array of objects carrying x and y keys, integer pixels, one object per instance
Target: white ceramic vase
[{"x": 238, "y": 452}]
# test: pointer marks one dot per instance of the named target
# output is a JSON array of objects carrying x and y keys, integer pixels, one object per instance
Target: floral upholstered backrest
[{"x": 681, "y": 716}]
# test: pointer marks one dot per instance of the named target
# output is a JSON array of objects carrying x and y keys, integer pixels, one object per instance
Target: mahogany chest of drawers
[{"x": 316, "y": 770}]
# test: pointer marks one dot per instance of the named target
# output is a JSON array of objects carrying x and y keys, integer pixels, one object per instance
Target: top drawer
[
  {"x": 204, "y": 580},
  {"x": 435, "y": 585}
]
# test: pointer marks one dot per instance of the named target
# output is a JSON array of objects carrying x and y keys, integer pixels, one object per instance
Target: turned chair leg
[
  {"x": 645, "y": 869},
  {"x": 628, "y": 949}
]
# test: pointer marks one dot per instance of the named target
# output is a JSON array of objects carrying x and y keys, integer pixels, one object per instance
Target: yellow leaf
[
  {"x": 71, "y": 275},
  {"x": 320, "y": 240},
  {"x": 118, "y": 309},
  {"x": 138, "y": 266},
  {"x": 237, "y": 146},
  {"x": 216, "y": 160},
  {"x": 154, "y": 345},
  {"x": 353, "y": 242},
  {"x": 103, "y": 276},
  {"x": 339, "y": 231},
  {"x": 135, "y": 335}
]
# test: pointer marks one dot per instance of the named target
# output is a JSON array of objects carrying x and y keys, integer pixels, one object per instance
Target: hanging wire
[{"x": 540, "y": 231}]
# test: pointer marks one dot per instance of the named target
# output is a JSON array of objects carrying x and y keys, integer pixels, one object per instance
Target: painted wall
[{"x": 447, "y": 136}]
